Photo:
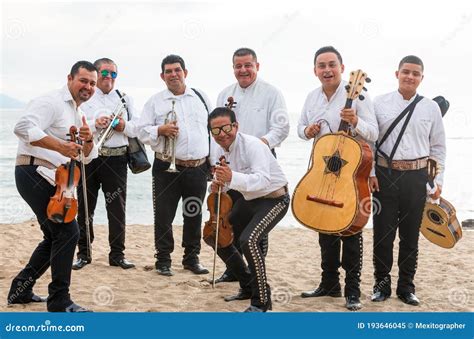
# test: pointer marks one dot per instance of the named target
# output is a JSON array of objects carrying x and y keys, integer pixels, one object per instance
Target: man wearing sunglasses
[
  {"x": 189, "y": 132},
  {"x": 109, "y": 170},
  {"x": 252, "y": 171},
  {"x": 260, "y": 109}
]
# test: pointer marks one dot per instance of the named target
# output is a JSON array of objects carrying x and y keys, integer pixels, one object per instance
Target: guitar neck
[{"x": 344, "y": 125}]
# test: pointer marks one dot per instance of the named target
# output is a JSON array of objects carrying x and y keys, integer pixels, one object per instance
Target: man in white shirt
[
  {"x": 400, "y": 177},
  {"x": 191, "y": 140},
  {"x": 254, "y": 172},
  {"x": 109, "y": 170},
  {"x": 322, "y": 114},
  {"x": 42, "y": 133},
  {"x": 260, "y": 109}
]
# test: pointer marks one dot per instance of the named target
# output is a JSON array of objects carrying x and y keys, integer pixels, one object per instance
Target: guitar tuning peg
[
  {"x": 347, "y": 87},
  {"x": 361, "y": 97},
  {"x": 365, "y": 89},
  {"x": 368, "y": 80}
]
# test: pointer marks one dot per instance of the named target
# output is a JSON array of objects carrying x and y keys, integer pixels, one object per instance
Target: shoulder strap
[
  {"x": 124, "y": 102},
  {"x": 207, "y": 109},
  {"x": 202, "y": 99},
  {"x": 409, "y": 110}
]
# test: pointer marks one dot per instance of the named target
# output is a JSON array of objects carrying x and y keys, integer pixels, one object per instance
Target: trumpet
[
  {"x": 106, "y": 133},
  {"x": 169, "y": 147}
]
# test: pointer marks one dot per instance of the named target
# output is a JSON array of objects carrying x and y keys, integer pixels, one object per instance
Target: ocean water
[{"x": 292, "y": 156}]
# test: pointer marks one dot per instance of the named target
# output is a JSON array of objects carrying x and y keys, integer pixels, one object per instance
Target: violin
[
  {"x": 219, "y": 206},
  {"x": 62, "y": 206}
]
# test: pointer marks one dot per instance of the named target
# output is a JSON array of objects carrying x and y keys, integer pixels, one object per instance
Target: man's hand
[
  {"x": 312, "y": 130},
  {"x": 70, "y": 150},
  {"x": 436, "y": 194},
  {"x": 349, "y": 115},
  {"x": 85, "y": 133},
  {"x": 223, "y": 173},
  {"x": 169, "y": 130},
  {"x": 120, "y": 126},
  {"x": 374, "y": 184},
  {"x": 102, "y": 122}
]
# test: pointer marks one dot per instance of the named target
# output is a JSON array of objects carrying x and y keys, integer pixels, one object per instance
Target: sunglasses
[
  {"x": 105, "y": 72},
  {"x": 226, "y": 128}
]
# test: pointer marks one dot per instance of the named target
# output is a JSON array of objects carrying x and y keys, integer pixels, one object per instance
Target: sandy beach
[{"x": 444, "y": 280}]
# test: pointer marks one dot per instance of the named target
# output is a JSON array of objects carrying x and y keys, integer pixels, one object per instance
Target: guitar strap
[{"x": 408, "y": 111}]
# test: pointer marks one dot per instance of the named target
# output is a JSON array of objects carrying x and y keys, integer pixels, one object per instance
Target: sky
[{"x": 41, "y": 40}]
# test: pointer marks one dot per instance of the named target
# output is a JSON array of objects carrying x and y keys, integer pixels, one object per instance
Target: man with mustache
[
  {"x": 260, "y": 109},
  {"x": 322, "y": 113},
  {"x": 109, "y": 170},
  {"x": 43, "y": 145},
  {"x": 191, "y": 138}
]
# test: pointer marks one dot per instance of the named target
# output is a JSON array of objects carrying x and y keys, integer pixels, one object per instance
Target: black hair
[
  {"x": 411, "y": 59},
  {"x": 243, "y": 51},
  {"x": 327, "y": 49},
  {"x": 172, "y": 59},
  {"x": 221, "y": 112},
  {"x": 82, "y": 64}
]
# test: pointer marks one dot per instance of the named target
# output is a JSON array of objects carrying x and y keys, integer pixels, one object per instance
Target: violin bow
[
  {"x": 219, "y": 190},
  {"x": 86, "y": 204}
]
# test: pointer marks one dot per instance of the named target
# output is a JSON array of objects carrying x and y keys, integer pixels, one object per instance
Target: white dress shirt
[
  {"x": 102, "y": 104},
  {"x": 192, "y": 142},
  {"x": 49, "y": 115},
  {"x": 260, "y": 110},
  {"x": 317, "y": 107},
  {"x": 424, "y": 135},
  {"x": 255, "y": 171}
]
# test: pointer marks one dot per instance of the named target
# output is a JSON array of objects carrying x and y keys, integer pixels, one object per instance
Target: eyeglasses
[
  {"x": 226, "y": 128},
  {"x": 106, "y": 72}
]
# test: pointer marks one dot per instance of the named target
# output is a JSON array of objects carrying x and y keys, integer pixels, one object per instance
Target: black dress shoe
[
  {"x": 196, "y": 268},
  {"x": 353, "y": 303},
  {"x": 241, "y": 295},
  {"x": 226, "y": 278},
  {"x": 409, "y": 298},
  {"x": 80, "y": 263},
  {"x": 253, "y": 308},
  {"x": 33, "y": 298},
  {"x": 124, "y": 263},
  {"x": 321, "y": 292},
  {"x": 74, "y": 308},
  {"x": 164, "y": 270},
  {"x": 379, "y": 296}
]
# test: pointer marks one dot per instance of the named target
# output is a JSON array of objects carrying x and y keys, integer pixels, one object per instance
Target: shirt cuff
[
  {"x": 35, "y": 134},
  {"x": 238, "y": 181}
]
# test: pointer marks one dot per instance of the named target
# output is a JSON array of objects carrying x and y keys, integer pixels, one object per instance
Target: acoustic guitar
[
  {"x": 333, "y": 196},
  {"x": 439, "y": 223}
]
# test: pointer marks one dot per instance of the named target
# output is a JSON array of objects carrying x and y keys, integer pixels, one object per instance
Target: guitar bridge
[{"x": 334, "y": 203}]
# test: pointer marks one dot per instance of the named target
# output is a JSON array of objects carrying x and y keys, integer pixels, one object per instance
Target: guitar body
[
  {"x": 333, "y": 196},
  {"x": 440, "y": 225}
]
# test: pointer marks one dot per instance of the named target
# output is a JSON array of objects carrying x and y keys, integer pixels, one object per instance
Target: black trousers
[
  {"x": 190, "y": 184},
  {"x": 110, "y": 173},
  {"x": 251, "y": 221},
  {"x": 55, "y": 250},
  {"x": 352, "y": 247},
  {"x": 400, "y": 201}
]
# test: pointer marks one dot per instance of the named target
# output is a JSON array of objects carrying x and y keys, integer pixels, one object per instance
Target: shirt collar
[
  {"x": 169, "y": 95},
  {"x": 249, "y": 88},
  {"x": 67, "y": 96},
  {"x": 236, "y": 141},
  {"x": 400, "y": 96}
]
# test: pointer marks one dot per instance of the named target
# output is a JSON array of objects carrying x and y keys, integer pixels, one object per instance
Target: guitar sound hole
[
  {"x": 334, "y": 164},
  {"x": 435, "y": 217}
]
